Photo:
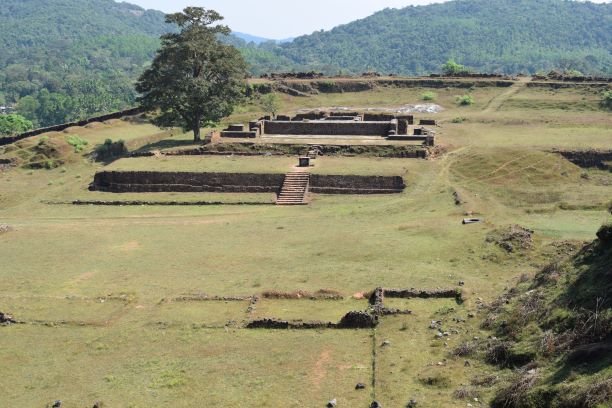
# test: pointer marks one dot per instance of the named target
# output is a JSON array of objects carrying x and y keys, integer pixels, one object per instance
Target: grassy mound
[
  {"x": 42, "y": 152},
  {"x": 556, "y": 332}
]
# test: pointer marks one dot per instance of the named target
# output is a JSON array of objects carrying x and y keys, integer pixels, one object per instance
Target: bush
[
  {"x": 76, "y": 142},
  {"x": 606, "y": 100},
  {"x": 458, "y": 120},
  {"x": 465, "y": 100},
  {"x": 110, "y": 150},
  {"x": 451, "y": 68},
  {"x": 429, "y": 96}
]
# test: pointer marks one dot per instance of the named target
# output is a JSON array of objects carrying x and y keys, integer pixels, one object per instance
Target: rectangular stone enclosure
[{"x": 330, "y": 127}]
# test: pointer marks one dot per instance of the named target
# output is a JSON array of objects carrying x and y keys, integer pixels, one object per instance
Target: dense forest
[
  {"x": 62, "y": 60},
  {"x": 66, "y": 59},
  {"x": 488, "y": 35}
]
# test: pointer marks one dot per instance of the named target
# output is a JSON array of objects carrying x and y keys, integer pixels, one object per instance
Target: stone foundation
[
  {"x": 149, "y": 181},
  {"x": 329, "y": 127}
]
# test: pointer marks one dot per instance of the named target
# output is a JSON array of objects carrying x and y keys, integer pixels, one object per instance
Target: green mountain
[
  {"x": 505, "y": 36},
  {"x": 66, "y": 59}
]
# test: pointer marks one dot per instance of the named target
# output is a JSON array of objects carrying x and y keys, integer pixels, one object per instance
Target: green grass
[
  {"x": 61, "y": 260},
  {"x": 220, "y": 164}
]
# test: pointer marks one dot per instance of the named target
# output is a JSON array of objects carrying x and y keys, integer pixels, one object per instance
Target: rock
[
  {"x": 385, "y": 343},
  {"x": 375, "y": 404},
  {"x": 411, "y": 404},
  {"x": 358, "y": 320},
  {"x": 439, "y": 335},
  {"x": 461, "y": 283},
  {"x": 6, "y": 318},
  {"x": 97, "y": 404},
  {"x": 57, "y": 404},
  {"x": 360, "y": 386},
  {"x": 466, "y": 364},
  {"x": 471, "y": 315},
  {"x": 332, "y": 403}
]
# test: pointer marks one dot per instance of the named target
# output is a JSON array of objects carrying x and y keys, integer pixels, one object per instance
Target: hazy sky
[{"x": 279, "y": 19}]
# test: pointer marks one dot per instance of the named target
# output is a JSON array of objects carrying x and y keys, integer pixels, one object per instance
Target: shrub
[
  {"x": 458, "y": 120},
  {"x": 76, "y": 142},
  {"x": 451, "y": 68},
  {"x": 436, "y": 380},
  {"x": 429, "y": 96},
  {"x": 110, "y": 150},
  {"x": 465, "y": 100},
  {"x": 466, "y": 393},
  {"x": 606, "y": 100}
]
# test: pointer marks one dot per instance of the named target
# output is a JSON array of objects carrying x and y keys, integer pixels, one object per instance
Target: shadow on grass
[
  {"x": 588, "y": 359},
  {"x": 167, "y": 144}
]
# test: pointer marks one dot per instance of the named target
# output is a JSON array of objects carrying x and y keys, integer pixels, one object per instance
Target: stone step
[{"x": 294, "y": 188}]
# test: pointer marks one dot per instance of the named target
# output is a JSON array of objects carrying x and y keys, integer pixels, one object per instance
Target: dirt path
[
  {"x": 498, "y": 101},
  {"x": 320, "y": 371}
]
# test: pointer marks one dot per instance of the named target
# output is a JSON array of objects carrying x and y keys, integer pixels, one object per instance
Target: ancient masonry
[
  {"x": 386, "y": 126},
  {"x": 294, "y": 189}
]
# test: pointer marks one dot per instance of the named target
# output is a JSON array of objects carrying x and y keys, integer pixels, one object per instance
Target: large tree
[{"x": 194, "y": 78}]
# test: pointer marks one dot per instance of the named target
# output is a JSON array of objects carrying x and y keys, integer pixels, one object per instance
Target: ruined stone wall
[
  {"x": 347, "y": 184},
  {"x": 152, "y": 181},
  {"x": 64, "y": 126},
  {"x": 328, "y": 128},
  {"x": 588, "y": 158}
]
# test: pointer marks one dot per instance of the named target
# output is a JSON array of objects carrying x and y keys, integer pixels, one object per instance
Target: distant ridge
[{"x": 488, "y": 35}]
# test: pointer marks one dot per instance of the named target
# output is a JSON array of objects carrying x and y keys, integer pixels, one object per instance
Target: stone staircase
[{"x": 294, "y": 189}]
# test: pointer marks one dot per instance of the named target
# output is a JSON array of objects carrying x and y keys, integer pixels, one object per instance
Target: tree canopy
[
  {"x": 13, "y": 124},
  {"x": 194, "y": 78}
]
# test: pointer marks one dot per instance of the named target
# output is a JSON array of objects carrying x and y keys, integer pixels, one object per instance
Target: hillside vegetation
[
  {"x": 62, "y": 60},
  {"x": 487, "y": 35},
  {"x": 558, "y": 330}
]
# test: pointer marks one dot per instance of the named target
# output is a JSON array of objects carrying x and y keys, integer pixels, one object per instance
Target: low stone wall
[
  {"x": 239, "y": 134},
  {"x": 330, "y": 184},
  {"x": 150, "y": 181},
  {"x": 423, "y": 294},
  {"x": 329, "y": 127},
  {"x": 64, "y": 126}
]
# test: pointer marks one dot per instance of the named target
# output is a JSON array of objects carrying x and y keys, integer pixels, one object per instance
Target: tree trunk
[{"x": 196, "y": 131}]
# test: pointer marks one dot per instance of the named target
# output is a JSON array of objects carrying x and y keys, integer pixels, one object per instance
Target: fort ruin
[{"x": 382, "y": 126}]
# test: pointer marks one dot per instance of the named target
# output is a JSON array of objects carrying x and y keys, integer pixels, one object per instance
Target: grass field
[{"x": 97, "y": 285}]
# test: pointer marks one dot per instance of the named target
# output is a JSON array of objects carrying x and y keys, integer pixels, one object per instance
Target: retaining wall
[
  {"x": 588, "y": 158},
  {"x": 150, "y": 181},
  {"x": 330, "y": 184},
  {"x": 329, "y": 128}
]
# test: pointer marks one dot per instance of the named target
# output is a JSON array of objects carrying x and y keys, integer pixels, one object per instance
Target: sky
[{"x": 280, "y": 19}]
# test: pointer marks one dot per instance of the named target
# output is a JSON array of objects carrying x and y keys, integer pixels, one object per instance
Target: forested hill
[
  {"x": 506, "y": 36},
  {"x": 64, "y": 59}
]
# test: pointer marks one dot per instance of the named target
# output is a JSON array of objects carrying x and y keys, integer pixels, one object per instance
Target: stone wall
[
  {"x": 328, "y": 128},
  {"x": 588, "y": 158},
  {"x": 64, "y": 126},
  {"x": 150, "y": 181},
  {"x": 330, "y": 184}
]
